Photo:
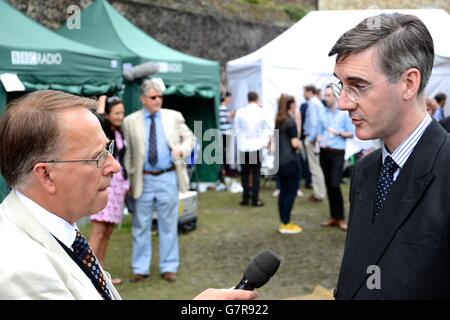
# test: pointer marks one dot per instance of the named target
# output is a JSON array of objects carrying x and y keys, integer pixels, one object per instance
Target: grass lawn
[{"x": 227, "y": 237}]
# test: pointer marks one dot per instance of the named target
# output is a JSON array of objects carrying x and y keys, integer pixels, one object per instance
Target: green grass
[{"x": 227, "y": 237}]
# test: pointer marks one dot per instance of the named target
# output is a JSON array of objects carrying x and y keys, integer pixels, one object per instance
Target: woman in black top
[
  {"x": 289, "y": 169},
  {"x": 103, "y": 223}
]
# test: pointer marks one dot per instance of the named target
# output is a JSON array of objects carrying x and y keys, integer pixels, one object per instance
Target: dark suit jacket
[
  {"x": 409, "y": 240},
  {"x": 445, "y": 123}
]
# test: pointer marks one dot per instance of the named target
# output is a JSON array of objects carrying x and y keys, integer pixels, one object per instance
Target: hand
[
  {"x": 331, "y": 131},
  {"x": 100, "y": 109},
  {"x": 226, "y": 294},
  {"x": 300, "y": 144},
  {"x": 177, "y": 154}
]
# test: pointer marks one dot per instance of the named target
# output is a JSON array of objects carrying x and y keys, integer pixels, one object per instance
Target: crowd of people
[{"x": 308, "y": 142}]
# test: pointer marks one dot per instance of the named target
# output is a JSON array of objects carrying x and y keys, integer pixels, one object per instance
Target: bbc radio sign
[{"x": 34, "y": 58}]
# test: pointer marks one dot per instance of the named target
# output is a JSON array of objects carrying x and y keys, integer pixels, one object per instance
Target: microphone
[
  {"x": 141, "y": 70},
  {"x": 259, "y": 271}
]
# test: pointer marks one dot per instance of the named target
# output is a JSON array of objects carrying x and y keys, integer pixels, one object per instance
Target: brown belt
[
  {"x": 158, "y": 172},
  {"x": 331, "y": 150}
]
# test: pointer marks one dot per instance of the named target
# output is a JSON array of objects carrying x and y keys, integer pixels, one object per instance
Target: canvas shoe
[{"x": 290, "y": 228}]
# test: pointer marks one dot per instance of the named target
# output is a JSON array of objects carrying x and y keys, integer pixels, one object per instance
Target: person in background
[
  {"x": 111, "y": 115},
  {"x": 335, "y": 126},
  {"x": 289, "y": 167},
  {"x": 440, "y": 100},
  {"x": 304, "y": 167},
  {"x": 158, "y": 142},
  {"x": 294, "y": 113},
  {"x": 226, "y": 128},
  {"x": 431, "y": 105},
  {"x": 313, "y": 112},
  {"x": 252, "y": 126}
]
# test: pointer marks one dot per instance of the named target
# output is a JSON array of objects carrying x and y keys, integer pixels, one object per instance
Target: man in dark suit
[
  {"x": 399, "y": 222},
  {"x": 445, "y": 123}
]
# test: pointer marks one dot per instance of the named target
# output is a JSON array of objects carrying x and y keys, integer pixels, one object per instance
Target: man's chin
[
  {"x": 101, "y": 201},
  {"x": 362, "y": 134}
]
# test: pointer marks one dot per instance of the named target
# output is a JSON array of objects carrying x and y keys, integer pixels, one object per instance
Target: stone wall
[
  {"x": 383, "y": 4},
  {"x": 219, "y": 30}
]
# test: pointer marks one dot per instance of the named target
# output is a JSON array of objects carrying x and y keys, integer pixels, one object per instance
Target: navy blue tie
[
  {"x": 81, "y": 248},
  {"x": 384, "y": 184},
  {"x": 153, "y": 147}
]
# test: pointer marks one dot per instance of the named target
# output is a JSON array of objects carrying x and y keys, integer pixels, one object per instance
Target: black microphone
[{"x": 259, "y": 271}]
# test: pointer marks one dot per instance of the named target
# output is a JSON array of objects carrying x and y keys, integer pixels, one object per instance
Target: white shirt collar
[
  {"x": 58, "y": 227},
  {"x": 404, "y": 150}
]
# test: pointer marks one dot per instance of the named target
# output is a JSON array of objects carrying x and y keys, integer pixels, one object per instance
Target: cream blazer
[
  {"x": 178, "y": 136},
  {"x": 33, "y": 265}
]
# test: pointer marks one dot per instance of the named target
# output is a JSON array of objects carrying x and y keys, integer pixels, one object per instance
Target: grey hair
[
  {"x": 149, "y": 84},
  {"x": 401, "y": 41}
]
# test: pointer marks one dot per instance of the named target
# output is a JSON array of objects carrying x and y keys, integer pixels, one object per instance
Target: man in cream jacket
[
  {"x": 58, "y": 161},
  {"x": 157, "y": 140}
]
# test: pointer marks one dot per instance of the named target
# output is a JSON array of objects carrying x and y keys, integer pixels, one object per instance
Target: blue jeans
[
  {"x": 159, "y": 193},
  {"x": 289, "y": 178}
]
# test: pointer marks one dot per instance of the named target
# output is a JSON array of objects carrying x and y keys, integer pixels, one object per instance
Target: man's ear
[
  {"x": 142, "y": 98},
  {"x": 410, "y": 83},
  {"x": 44, "y": 176}
]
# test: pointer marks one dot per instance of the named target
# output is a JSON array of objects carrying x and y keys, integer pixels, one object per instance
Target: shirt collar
[
  {"x": 332, "y": 110},
  {"x": 147, "y": 114},
  {"x": 404, "y": 150},
  {"x": 57, "y": 226},
  {"x": 254, "y": 105}
]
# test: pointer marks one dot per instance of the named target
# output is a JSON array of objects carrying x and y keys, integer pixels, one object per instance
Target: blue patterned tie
[
  {"x": 81, "y": 248},
  {"x": 153, "y": 148},
  {"x": 384, "y": 184}
]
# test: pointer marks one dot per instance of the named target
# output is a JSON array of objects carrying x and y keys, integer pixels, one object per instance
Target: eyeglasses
[
  {"x": 100, "y": 160},
  {"x": 154, "y": 97},
  {"x": 353, "y": 93}
]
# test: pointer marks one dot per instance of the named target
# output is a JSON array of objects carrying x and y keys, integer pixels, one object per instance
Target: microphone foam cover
[{"x": 262, "y": 268}]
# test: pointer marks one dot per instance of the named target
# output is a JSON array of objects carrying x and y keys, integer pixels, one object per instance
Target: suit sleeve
[
  {"x": 28, "y": 285},
  {"x": 128, "y": 151}
]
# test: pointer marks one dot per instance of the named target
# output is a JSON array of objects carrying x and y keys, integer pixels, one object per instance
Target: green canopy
[
  {"x": 193, "y": 83},
  {"x": 43, "y": 59},
  {"x": 4, "y": 190}
]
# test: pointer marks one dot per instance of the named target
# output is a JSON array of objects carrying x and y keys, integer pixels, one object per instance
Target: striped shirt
[
  {"x": 402, "y": 153},
  {"x": 224, "y": 117}
]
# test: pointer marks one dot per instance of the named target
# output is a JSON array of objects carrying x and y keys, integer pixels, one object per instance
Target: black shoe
[
  {"x": 244, "y": 203},
  {"x": 258, "y": 203},
  {"x": 138, "y": 277}
]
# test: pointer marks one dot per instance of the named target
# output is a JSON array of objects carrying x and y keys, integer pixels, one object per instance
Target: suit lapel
[
  {"x": 167, "y": 125},
  {"x": 139, "y": 128},
  {"x": 361, "y": 218},
  {"x": 20, "y": 215},
  {"x": 412, "y": 182}
]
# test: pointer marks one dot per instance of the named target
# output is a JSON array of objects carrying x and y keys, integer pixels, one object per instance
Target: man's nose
[
  {"x": 345, "y": 103},
  {"x": 112, "y": 166}
]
